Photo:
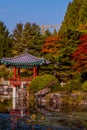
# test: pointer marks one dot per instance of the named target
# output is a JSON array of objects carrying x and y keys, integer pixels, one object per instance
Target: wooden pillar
[
  {"x": 14, "y": 72},
  {"x": 38, "y": 70},
  {"x": 35, "y": 71},
  {"x": 18, "y": 73}
]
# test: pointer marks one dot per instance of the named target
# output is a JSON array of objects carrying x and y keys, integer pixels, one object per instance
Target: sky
[{"x": 41, "y": 12}]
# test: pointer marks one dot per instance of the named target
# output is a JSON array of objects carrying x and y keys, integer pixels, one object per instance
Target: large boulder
[{"x": 42, "y": 92}]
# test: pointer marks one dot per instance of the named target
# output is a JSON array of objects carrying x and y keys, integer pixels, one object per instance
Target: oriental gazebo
[{"x": 22, "y": 61}]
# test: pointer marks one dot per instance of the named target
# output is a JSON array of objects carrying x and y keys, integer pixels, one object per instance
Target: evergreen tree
[
  {"x": 17, "y": 39},
  {"x": 47, "y": 33},
  {"x": 73, "y": 26},
  {"x": 73, "y": 16},
  {"x": 5, "y": 41},
  {"x": 27, "y": 36},
  {"x": 55, "y": 32},
  {"x": 69, "y": 43},
  {"x": 83, "y": 13}
]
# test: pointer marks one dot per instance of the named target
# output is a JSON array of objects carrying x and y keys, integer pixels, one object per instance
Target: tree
[
  {"x": 73, "y": 26},
  {"x": 74, "y": 15},
  {"x": 27, "y": 36},
  {"x": 50, "y": 47},
  {"x": 55, "y": 33},
  {"x": 47, "y": 33},
  {"x": 80, "y": 55},
  {"x": 83, "y": 13},
  {"x": 5, "y": 41},
  {"x": 82, "y": 28},
  {"x": 69, "y": 42},
  {"x": 17, "y": 38}
]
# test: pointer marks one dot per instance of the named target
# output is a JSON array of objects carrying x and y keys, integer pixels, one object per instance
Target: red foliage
[
  {"x": 80, "y": 55},
  {"x": 50, "y": 45}
]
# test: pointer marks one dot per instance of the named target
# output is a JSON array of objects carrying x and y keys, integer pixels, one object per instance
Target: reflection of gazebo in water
[{"x": 22, "y": 61}]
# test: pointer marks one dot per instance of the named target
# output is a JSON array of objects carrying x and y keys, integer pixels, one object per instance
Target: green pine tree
[
  {"x": 27, "y": 36},
  {"x": 5, "y": 41},
  {"x": 73, "y": 15}
]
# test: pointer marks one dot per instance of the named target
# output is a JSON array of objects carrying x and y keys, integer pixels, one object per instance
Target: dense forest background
[{"x": 66, "y": 49}]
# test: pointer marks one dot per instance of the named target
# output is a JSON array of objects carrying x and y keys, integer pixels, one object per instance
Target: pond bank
[{"x": 60, "y": 101}]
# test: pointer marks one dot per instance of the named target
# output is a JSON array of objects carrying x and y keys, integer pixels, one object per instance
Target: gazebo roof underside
[{"x": 23, "y": 61}]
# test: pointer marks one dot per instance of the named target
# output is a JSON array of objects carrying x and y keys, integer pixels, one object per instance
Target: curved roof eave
[{"x": 23, "y": 60}]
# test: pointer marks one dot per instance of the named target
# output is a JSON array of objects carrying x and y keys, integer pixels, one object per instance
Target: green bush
[
  {"x": 41, "y": 82},
  {"x": 72, "y": 85},
  {"x": 55, "y": 86},
  {"x": 5, "y": 72},
  {"x": 5, "y": 105},
  {"x": 84, "y": 86}
]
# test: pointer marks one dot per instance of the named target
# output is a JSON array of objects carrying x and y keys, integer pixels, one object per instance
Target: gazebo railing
[{"x": 17, "y": 82}]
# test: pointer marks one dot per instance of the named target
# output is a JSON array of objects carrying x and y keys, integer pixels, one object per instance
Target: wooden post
[
  {"x": 14, "y": 72},
  {"x": 18, "y": 73},
  {"x": 14, "y": 98},
  {"x": 35, "y": 71},
  {"x": 14, "y": 92}
]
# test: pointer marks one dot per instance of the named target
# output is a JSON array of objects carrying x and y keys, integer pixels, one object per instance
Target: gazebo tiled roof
[{"x": 23, "y": 61}]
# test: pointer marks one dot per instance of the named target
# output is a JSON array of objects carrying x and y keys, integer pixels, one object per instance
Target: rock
[
  {"x": 83, "y": 102},
  {"x": 55, "y": 101},
  {"x": 42, "y": 92},
  {"x": 42, "y": 101}
]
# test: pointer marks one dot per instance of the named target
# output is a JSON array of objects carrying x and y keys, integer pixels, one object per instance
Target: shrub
[
  {"x": 5, "y": 105},
  {"x": 55, "y": 87},
  {"x": 84, "y": 86},
  {"x": 41, "y": 82},
  {"x": 72, "y": 85}
]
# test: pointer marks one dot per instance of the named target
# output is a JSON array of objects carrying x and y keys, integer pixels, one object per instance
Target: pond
[{"x": 42, "y": 119}]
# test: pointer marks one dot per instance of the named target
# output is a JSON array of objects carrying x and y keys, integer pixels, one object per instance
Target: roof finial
[{"x": 26, "y": 50}]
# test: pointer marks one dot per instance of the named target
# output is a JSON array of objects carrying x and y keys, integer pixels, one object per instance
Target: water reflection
[{"x": 44, "y": 120}]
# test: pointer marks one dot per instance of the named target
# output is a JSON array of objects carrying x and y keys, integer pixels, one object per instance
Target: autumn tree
[
  {"x": 80, "y": 55},
  {"x": 82, "y": 28},
  {"x": 73, "y": 26},
  {"x": 50, "y": 47}
]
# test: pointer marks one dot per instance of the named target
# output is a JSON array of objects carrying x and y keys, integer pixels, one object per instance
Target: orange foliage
[
  {"x": 83, "y": 27},
  {"x": 80, "y": 55},
  {"x": 51, "y": 39},
  {"x": 51, "y": 45}
]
